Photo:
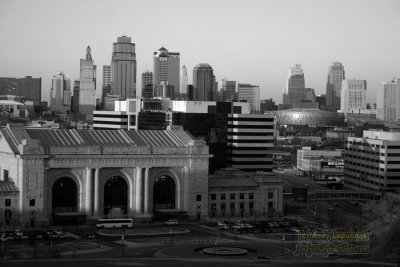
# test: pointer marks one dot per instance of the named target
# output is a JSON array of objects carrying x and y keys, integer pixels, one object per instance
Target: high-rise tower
[
  {"x": 60, "y": 93},
  {"x": 334, "y": 85},
  {"x": 184, "y": 82},
  {"x": 388, "y": 100},
  {"x": 166, "y": 67},
  {"x": 250, "y": 94},
  {"x": 123, "y": 67},
  {"x": 106, "y": 80},
  {"x": 228, "y": 89},
  {"x": 295, "y": 86},
  {"x": 203, "y": 82},
  {"x": 87, "y": 86},
  {"x": 147, "y": 84},
  {"x": 353, "y": 95}
]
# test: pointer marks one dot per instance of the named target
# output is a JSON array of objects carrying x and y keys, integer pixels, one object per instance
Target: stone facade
[{"x": 37, "y": 159}]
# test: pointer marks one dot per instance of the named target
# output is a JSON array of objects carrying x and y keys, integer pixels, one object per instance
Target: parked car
[
  {"x": 221, "y": 223},
  {"x": 171, "y": 222}
]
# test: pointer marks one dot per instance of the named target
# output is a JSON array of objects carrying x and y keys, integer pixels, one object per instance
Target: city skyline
[{"x": 360, "y": 37}]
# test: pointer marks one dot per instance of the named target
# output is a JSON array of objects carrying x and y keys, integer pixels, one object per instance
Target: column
[
  {"x": 146, "y": 209},
  {"x": 96, "y": 192},
  {"x": 88, "y": 193},
  {"x": 139, "y": 190}
]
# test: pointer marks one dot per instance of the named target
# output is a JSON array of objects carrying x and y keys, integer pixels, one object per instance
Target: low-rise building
[{"x": 236, "y": 195}]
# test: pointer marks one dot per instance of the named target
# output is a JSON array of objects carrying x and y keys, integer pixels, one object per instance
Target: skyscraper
[
  {"x": 388, "y": 100},
  {"x": 106, "y": 86},
  {"x": 75, "y": 97},
  {"x": 87, "y": 85},
  {"x": 228, "y": 89},
  {"x": 166, "y": 67},
  {"x": 184, "y": 82},
  {"x": 203, "y": 82},
  {"x": 251, "y": 94},
  {"x": 295, "y": 86},
  {"x": 147, "y": 84},
  {"x": 27, "y": 87},
  {"x": 353, "y": 95},
  {"x": 60, "y": 93},
  {"x": 334, "y": 85},
  {"x": 123, "y": 67}
]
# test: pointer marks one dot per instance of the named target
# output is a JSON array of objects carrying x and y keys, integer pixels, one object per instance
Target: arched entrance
[
  {"x": 115, "y": 197},
  {"x": 64, "y": 195},
  {"x": 164, "y": 193}
]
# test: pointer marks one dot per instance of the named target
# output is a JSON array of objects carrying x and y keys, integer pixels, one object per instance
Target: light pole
[{"x": 283, "y": 238}]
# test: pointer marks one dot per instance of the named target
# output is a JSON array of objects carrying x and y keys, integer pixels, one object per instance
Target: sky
[{"x": 249, "y": 41}]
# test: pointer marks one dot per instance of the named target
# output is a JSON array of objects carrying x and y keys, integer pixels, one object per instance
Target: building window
[
  {"x": 251, "y": 205},
  {"x": 198, "y": 197},
  {"x": 213, "y": 196},
  {"x": 7, "y": 202},
  {"x": 232, "y": 196},
  {"x": 270, "y": 204},
  {"x": 5, "y": 175},
  {"x": 222, "y": 196},
  {"x": 232, "y": 209},
  {"x": 251, "y": 195},
  {"x": 270, "y": 194},
  {"x": 241, "y": 195},
  {"x": 32, "y": 202}
]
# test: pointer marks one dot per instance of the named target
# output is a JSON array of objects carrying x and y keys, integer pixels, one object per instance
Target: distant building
[
  {"x": 203, "y": 83},
  {"x": 267, "y": 105},
  {"x": 321, "y": 100},
  {"x": 334, "y": 86},
  {"x": 310, "y": 95},
  {"x": 147, "y": 82},
  {"x": 339, "y": 134},
  {"x": 87, "y": 85},
  {"x": 166, "y": 66},
  {"x": 228, "y": 89},
  {"x": 251, "y": 141},
  {"x": 251, "y": 94},
  {"x": 320, "y": 164},
  {"x": 75, "y": 97},
  {"x": 13, "y": 109},
  {"x": 353, "y": 95},
  {"x": 388, "y": 101},
  {"x": 123, "y": 67},
  {"x": 295, "y": 86},
  {"x": 106, "y": 86},
  {"x": 184, "y": 83},
  {"x": 372, "y": 162},
  {"x": 233, "y": 194},
  {"x": 28, "y": 87},
  {"x": 60, "y": 93}
]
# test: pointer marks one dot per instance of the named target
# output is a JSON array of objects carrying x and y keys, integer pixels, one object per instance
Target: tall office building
[
  {"x": 310, "y": 95},
  {"x": 334, "y": 85},
  {"x": 251, "y": 141},
  {"x": 203, "y": 82},
  {"x": 184, "y": 82},
  {"x": 166, "y": 67},
  {"x": 75, "y": 97},
  {"x": 123, "y": 67},
  {"x": 106, "y": 86},
  {"x": 251, "y": 94},
  {"x": 28, "y": 87},
  {"x": 60, "y": 93},
  {"x": 228, "y": 89},
  {"x": 147, "y": 84},
  {"x": 388, "y": 101},
  {"x": 295, "y": 86},
  {"x": 87, "y": 85},
  {"x": 353, "y": 95}
]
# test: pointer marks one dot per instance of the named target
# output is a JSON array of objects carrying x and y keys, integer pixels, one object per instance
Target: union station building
[{"x": 48, "y": 175}]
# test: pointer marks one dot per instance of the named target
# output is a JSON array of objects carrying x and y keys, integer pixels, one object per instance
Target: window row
[{"x": 232, "y": 196}]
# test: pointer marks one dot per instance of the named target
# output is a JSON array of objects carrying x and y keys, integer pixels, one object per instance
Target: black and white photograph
[{"x": 200, "y": 133}]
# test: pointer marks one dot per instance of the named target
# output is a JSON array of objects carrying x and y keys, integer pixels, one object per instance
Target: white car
[{"x": 171, "y": 222}]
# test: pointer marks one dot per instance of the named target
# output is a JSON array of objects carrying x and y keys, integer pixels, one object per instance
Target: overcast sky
[{"x": 249, "y": 41}]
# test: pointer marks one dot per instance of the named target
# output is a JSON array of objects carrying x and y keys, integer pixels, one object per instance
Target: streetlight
[
  {"x": 283, "y": 238},
  {"x": 170, "y": 236}
]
